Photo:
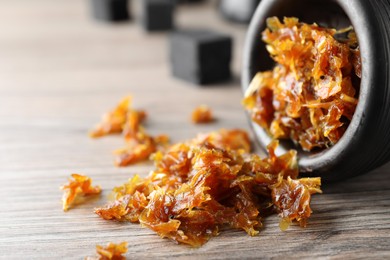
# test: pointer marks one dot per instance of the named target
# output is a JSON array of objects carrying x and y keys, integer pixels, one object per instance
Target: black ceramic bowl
[{"x": 366, "y": 143}]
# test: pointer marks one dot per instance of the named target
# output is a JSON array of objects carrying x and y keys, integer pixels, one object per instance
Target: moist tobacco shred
[
  {"x": 202, "y": 115},
  {"x": 80, "y": 186},
  {"x": 128, "y": 121},
  {"x": 311, "y": 94},
  {"x": 110, "y": 252},
  {"x": 210, "y": 182}
]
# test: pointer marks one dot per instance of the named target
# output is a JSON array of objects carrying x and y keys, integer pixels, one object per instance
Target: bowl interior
[{"x": 326, "y": 13}]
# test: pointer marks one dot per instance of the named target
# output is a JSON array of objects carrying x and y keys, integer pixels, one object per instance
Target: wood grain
[{"x": 60, "y": 70}]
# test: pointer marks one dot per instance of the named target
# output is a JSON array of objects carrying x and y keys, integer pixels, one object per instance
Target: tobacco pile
[
  {"x": 199, "y": 186},
  {"x": 311, "y": 94},
  {"x": 212, "y": 181}
]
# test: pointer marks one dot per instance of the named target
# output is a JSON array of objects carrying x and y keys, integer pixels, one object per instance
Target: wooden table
[{"x": 60, "y": 70}]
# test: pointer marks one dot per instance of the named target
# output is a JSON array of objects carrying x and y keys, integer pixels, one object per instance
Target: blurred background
[
  {"x": 62, "y": 65},
  {"x": 62, "y": 48},
  {"x": 46, "y": 36}
]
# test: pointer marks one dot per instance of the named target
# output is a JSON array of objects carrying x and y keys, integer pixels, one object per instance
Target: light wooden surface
[{"x": 60, "y": 70}]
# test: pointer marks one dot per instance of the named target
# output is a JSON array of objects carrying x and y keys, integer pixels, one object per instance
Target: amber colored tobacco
[
  {"x": 80, "y": 186},
  {"x": 110, "y": 252},
  {"x": 139, "y": 144},
  {"x": 113, "y": 122},
  {"x": 213, "y": 181},
  {"x": 202, "y": 115},
  {"x": 311, "y": 94}
]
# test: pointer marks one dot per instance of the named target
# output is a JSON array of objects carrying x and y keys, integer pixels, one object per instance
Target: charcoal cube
[
  {"x": 200, "y": 56},
  {"x": 187, "y": 1},
  {"x": 157, "y": 15},
  {"x": 240, "y": 11},
  {"x": 110, "y": 10}
]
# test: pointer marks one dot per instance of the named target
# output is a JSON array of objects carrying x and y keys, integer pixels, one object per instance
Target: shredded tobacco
[
  {"x": 202, "y": 115},
  {"x": 139, "y": 144},
  {"x": 79, "y": 186},
  {"x": 212, "y": 181},
  {"x": 114, "y": 121},
  {"x": 311, "y": 94},
  {"x": 139, "y": 148},
  {"x": 110, "y": 252}
]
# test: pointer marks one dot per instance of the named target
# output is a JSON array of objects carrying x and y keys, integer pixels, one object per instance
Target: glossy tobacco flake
[
  {"x": 113, "y": 121},
  {"x": 111, "y": 251},
  {"x": 311, "y": 94},
  {"x": 198, "y": 187},
  {"x": 139, "y": 144},
  {"x": 292, "y": 198},
  {"x": 234, "y": 139},
  {"x": 79, "y": 186},
  {"x": 139, "y": 148},
  {"x": 202, "y": 115},
  {"x": 132, "y": 126}
]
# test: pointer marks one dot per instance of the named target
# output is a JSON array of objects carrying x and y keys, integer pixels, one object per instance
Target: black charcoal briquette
[
  {"x": 157, "y": 15},
  {"x": 110, "y": 10},
  {"x": 200, "y": 56}
]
